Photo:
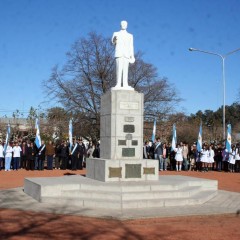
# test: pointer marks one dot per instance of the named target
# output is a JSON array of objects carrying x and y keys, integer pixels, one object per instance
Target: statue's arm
[
  {"x": 132, "y": 51},
  {"x": 114, "y": 38}
]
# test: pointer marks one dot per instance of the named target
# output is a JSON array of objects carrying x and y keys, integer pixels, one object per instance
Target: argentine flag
[
  {"x": 229, "y": 139},
  {"x": 174, "y": 138},
  {"x": 70, "y": 131},
  {"x": 199, "y": 141},
  {"x": 38, "y": 138},
  {"x": 154, "y": 130},
  {"x": 7, "y": 138}
]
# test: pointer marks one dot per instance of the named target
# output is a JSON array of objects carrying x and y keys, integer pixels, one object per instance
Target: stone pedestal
[
  {"x": 121, "y": 132},
  {"x": 121, "y": 140}
]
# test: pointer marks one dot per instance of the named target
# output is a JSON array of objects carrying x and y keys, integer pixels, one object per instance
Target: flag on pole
[
  {"x": 7, "y": 138},
  {"x": 199, "y": 141},
  {"x": 229, "y": 139},
  {"x": 174, "y": 138},
  {"x": 70, "y": 131},
  {"x": 37, "y": 138},
  {"x": 154, "y": 130}
]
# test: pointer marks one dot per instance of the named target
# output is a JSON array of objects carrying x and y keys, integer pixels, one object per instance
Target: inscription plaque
[
  {"x": 148, "y": 170},
  {"x": 128, "y": 152},
  {"x": 129, "y": 119},
  {"x": 134, "y": 142},
  {"x": 129, "y": 105},
  {"x": 128, "y": 136},
  {"x": 122, "y": 142},
  {"x": 133, "y": 170},
  {"x": 129, "y": 128},
  {"x": 115, "y": 172}
]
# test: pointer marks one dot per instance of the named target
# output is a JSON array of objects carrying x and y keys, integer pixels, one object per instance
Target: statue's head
[{"x": 124, "y": 25}]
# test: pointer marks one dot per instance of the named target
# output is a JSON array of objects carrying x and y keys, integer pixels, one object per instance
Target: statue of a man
[{"x": 124, "y": 54}]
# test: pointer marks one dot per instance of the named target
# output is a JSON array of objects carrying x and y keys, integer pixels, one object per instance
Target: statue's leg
[
  {"x": 125, "y": 72},
  {"x": 119, "y": 69}
]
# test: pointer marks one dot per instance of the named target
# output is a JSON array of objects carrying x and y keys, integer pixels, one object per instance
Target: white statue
[{"x": 124, "y": 54}]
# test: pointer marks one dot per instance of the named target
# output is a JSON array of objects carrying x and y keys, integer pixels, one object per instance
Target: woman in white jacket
[
  {"x": 204, "y": 159},
  {"x": 210, "y": 158}
]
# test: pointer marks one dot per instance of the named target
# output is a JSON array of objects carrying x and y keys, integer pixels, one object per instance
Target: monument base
[{"x": 107, "y": 170}]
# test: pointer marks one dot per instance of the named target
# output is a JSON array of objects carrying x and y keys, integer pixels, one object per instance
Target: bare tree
[{"x": 90, "y": 72}]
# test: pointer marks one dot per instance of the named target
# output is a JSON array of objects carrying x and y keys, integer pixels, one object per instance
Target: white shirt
[
  {"x": 9, "y": 151},
  {"x": 16, "y": 151},
  {"x": 1, "y": 151}
]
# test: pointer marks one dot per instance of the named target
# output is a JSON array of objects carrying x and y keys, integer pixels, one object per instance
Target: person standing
[
  {"x": 185, "y": 156},
  {"x": 158, "y": 152},
  {"x": 204, "y": 158},
  {"x": 16, "y": 156},
  {"x": 30, "y": 156},
  {"x": 225, "y": 159},
  {"x": 74, "y": 155},
  {"x": 24, "y": 155},
  {"x": 82, "y": 152},
  {"x": 219, "y": 157},
  {"x": 41, "y": 156},
  {"x": 232, "y": 159},
  {"x": 64, "y": 155},
  {"x": 178, "y": 157},
  {"x": 50, "y": 153},
  {"x": 164, "y": 156},
  {"x": 237, "y": 158},
  {"x": 58, "y": 160},
  {"x": 124, "y": 54},
  {"x": 8, "y": 157},
  {"x": 1, "y": 155},
  {"x": 210, "y": 158}
]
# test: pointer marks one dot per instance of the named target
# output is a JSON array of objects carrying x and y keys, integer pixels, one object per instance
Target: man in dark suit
[
  {"x": 74, "y": 155},
  {"x": 158, "y": 152},
  {"x": 82, "y": 152},
  {"x": 41, "y": 156}
]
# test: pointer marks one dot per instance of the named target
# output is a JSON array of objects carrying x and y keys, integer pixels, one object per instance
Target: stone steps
[
  {"x": 196, "y": 199},
  {"x": 88, "y": 193}
]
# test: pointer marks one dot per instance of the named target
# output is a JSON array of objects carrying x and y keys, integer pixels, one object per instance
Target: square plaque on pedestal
[{"x": 133, "y": 170}]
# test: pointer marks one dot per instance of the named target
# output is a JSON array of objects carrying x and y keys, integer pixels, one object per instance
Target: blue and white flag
[
  {"x": 174, "y": 138},
  {"x": 37, "y": 138},
  {"x": 70, "y": 132},
  {"x": 229, "y": 138},
  {"x": 154, "y": 130},
  {"x": 7, "y": 138},
  {"x": 199, "y": 141}
]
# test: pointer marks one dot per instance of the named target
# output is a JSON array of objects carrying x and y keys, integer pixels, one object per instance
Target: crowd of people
[
  {"x": 22, "y": 154},
  {"x": 212, "y": 157}
]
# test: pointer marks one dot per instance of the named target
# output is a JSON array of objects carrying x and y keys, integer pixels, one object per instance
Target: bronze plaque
[
  {"x": 122, "y": 142},
  {"x": 128, "y": 136},
  {"x": 133, "y": 170},
  {"x": 129, "y": 128},
  {"x": 128, "y": 152},
  {"x": 115, "y": 172},
  {"x": 134, "y": 142},
  {"x": 148, "y": 170}
]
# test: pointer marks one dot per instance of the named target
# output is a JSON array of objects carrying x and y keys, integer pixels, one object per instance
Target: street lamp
[{"x": 223, "y": 57}]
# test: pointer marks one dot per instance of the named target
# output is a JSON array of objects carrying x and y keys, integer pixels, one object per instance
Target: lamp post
[{"x": 223, "y": 57}]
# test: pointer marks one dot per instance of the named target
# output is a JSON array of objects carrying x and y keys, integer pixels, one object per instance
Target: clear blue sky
[{"x": 36, "y": 34}]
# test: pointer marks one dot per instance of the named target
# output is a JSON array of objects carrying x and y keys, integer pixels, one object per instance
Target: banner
[
  {"x": 7, "y": 138},
  {"x": 37, "y": 138},
  {"x": 229, "y": 139},
  {"x": 70, "y": 132},
  {"x": 174, "y": 138},
  {"x": 199, "y": 141},
  {"x": 154, "y": 130}
]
